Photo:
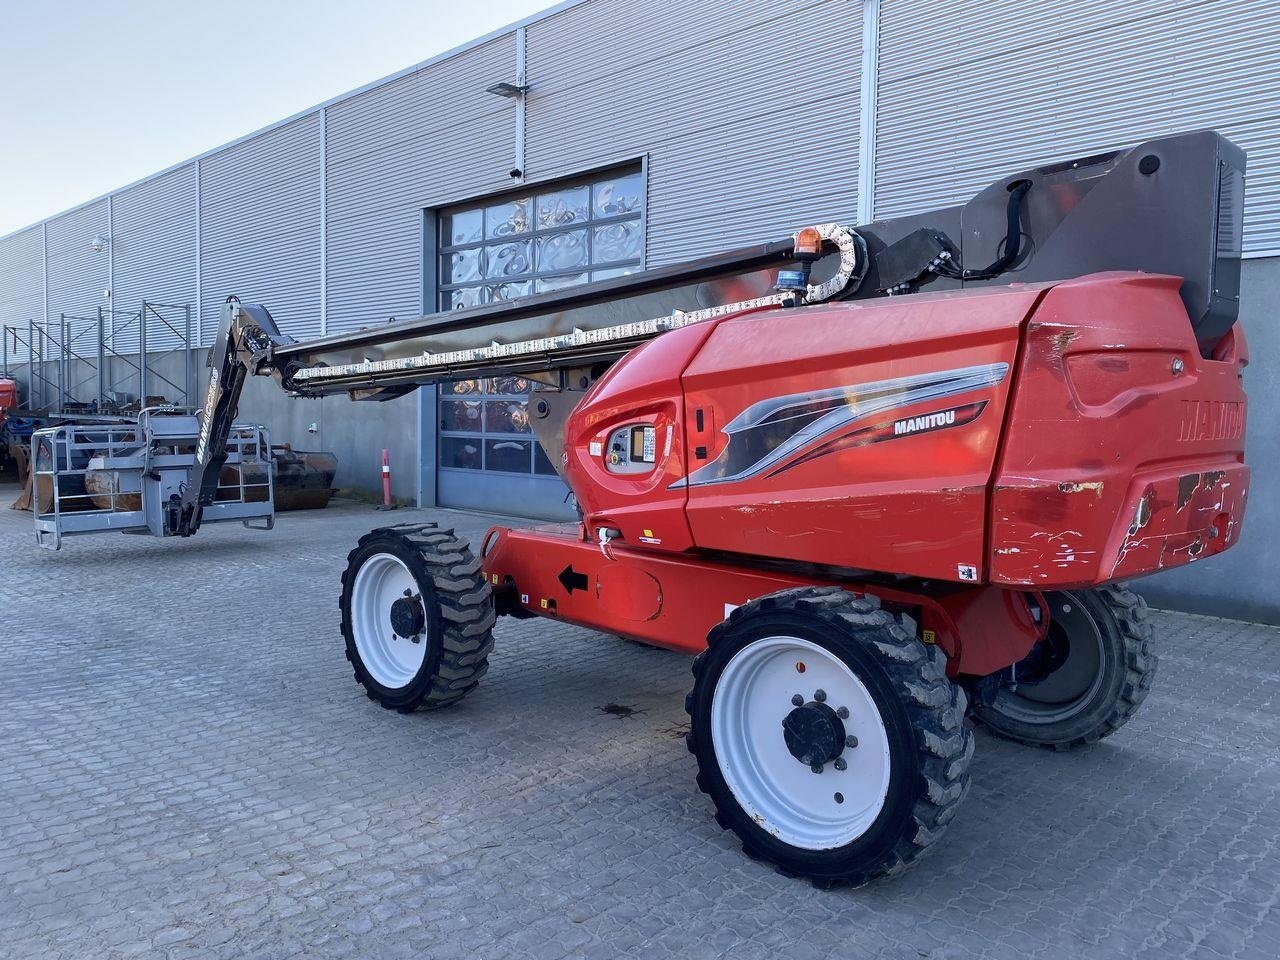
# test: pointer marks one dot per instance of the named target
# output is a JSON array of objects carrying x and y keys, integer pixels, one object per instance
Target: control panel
[{"x": 632, "y": 449}]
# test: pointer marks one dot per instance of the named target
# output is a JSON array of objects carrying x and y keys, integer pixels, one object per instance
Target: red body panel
[
  {"x": 1023, "y": 438},
  {"x": 673, "y": 601},
  {"x": 660, "y": 598},
  {"x": 642, "y": 386},
  {"x": 868, "y": 505},
  {"x": 1125, "y": 448},
  {"x": 1031, "y": 435}
]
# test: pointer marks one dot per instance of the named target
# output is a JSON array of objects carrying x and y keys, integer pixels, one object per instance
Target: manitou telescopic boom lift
[{"x": 874, "y": 477}]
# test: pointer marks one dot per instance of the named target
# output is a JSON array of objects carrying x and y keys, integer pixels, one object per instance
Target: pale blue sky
[{"x": 97, "y": 93}]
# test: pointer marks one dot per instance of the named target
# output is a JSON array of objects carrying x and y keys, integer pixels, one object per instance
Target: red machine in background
[
  {"x": 875, "y": 486},
  {"x": 8, "y": 402},
  {"x": 8, "y": 396}
]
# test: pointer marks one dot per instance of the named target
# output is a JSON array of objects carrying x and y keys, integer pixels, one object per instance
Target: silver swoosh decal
[{"x": 770, "y": 430}]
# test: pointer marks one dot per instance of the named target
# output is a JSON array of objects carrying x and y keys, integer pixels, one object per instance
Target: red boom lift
[{"x": 878, "y": 479}]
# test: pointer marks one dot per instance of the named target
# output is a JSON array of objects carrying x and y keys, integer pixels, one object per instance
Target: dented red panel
[
  {"x": 1179, "y": 519},
  {"x": 1125, "y": 450}
]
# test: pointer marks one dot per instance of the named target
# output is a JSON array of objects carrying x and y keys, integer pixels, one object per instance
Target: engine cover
[
  {"x": 882, "y": 435},
  {"x": 856, "y": 435}
]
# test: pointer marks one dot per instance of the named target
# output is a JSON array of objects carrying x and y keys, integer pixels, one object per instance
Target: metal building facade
[
  {"x": 260, "y": 226},
  {"x": 153, "y": 251},
  {"x": 749, "y": 117}
]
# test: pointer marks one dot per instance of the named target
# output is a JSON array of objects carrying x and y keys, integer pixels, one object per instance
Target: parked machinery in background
[
  {"x": 128, "y": 475},
  {"x": 303, "y": 479},
  {"x": 8, "y": 403},
  {"x": 122, "y": 474}
]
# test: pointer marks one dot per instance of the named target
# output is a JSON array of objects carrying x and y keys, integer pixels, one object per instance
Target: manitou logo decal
[
  {"x": 892, "y": 430},
  {"x": 930, "y": 421},
  {"x": 1211, "y": 420},
  {"x": 206, "y": 421}
]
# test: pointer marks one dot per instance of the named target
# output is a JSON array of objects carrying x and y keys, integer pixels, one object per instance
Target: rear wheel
[
  {"x": 1083, "y": 681},
  {"x": 417, "y": 616},
  {"x": 829, "y": 738}
]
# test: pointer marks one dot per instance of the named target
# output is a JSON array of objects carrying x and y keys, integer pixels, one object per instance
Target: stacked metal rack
[{"x": 105, "y": 361}]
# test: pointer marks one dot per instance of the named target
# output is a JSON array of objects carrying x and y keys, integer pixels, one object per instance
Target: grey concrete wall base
[{"x": 355, "y": 432}]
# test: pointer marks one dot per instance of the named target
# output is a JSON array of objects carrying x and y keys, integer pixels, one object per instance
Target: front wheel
[
  {"x": 1083, "y": 681},
  {"x": 417, "y": 616},
  {"x": 829, "y": 738}
]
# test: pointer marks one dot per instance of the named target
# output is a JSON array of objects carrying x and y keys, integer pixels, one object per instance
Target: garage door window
[
  {"x": 542, "y": 240},
  {"x": 484, "y": 425},
  {"x": 587, "y": 229}
]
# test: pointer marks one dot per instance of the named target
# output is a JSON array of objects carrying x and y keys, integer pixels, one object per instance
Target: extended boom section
[{"x": 536, "y": 335}]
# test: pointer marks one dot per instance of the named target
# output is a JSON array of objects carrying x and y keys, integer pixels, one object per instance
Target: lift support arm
[{"x": 247, "y": 338}]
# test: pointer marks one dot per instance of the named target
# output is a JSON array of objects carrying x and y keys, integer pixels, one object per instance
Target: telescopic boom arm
[
  {"x": 247, "y": 336},
  {"x": 601, "y": 325}
]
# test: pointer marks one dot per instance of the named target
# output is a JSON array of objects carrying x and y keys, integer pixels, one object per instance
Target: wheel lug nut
[
  {"x": 408, "y": 592},
  {"x": 816, "y": 767},
  {"x": 851, "y": 741},
  {"x": 820, "y": 696},
  {"x": 843, "y": 713},
  {"x": 840, "y": 764},
  {"x": 797, "y": 701}
]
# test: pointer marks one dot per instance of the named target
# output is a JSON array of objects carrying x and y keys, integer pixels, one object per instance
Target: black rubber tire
[
  {"x": 1127, "y": 665},
  {"x": 923, "y": 711},
  {"x": 457, "y": 601}
]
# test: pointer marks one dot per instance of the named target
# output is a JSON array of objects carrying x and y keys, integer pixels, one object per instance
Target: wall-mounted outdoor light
[{"x": 505, "y": 89}]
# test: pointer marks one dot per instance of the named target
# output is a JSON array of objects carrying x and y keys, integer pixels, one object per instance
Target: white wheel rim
[
  {"x": 393, "y": 661},
  {"x": 784, "y": 796}
]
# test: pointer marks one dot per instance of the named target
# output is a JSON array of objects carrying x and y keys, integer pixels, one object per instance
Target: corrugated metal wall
[
  {"x": 972, "y": 89},
  {"x": 425, "y": 140},
  {"x": 21, "y": 284},
  {"x": 260, "y": 226},
  {"x": 79, "y": 276},
  {"x": 748, "y": 112},
  {"x": 153, "y": 246}
]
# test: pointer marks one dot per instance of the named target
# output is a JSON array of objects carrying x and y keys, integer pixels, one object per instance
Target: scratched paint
[
  {"x": 1062, "y": 341},
  {"x": 1095, "y": 486},
  {"x": 1101, "y": 451}
]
